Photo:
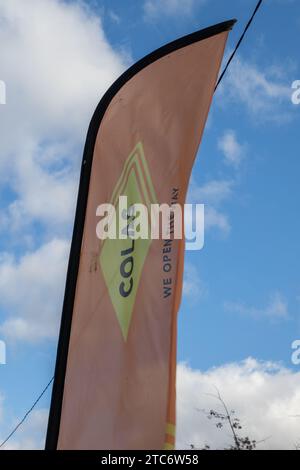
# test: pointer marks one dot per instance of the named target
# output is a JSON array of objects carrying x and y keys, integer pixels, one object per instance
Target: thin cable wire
[
  {"x": 27, "y": 414},
  {"x": 219, "y": 81},
  {"x": 239, "y": 43}
]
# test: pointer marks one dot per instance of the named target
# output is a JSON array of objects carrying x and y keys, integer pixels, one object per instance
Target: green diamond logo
[{"x": 122, "y": 260}]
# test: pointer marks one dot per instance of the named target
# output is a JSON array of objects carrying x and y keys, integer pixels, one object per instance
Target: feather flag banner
[{"x": 115, "y": 377}]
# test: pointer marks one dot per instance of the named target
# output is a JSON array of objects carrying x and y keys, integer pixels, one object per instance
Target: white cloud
[
  {"x": 265, "y": 93},
  {"x": 31, "y": 435},
  {"x": 114, "y": 17},
  {"x": 233, "y": 151},
  {"x": 265, "y": 396},
  {"x": 155, "y": 8},
  {"x": 217, "y": 220},
  {"x": 276, "y": 308},
  {"x": 193, "y": 286},
  {"x": 56, "y": 62},
  {"x": 31, "y": 292},
  {"x": 212, "y": 194},
  {"x": 44, "y": 196}
]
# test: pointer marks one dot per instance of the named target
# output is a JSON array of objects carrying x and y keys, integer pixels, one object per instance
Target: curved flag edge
[{"x": 82, "y": 198}]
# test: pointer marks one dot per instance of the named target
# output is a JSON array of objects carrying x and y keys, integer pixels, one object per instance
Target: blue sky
[{"x": 242, "y": 291}]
